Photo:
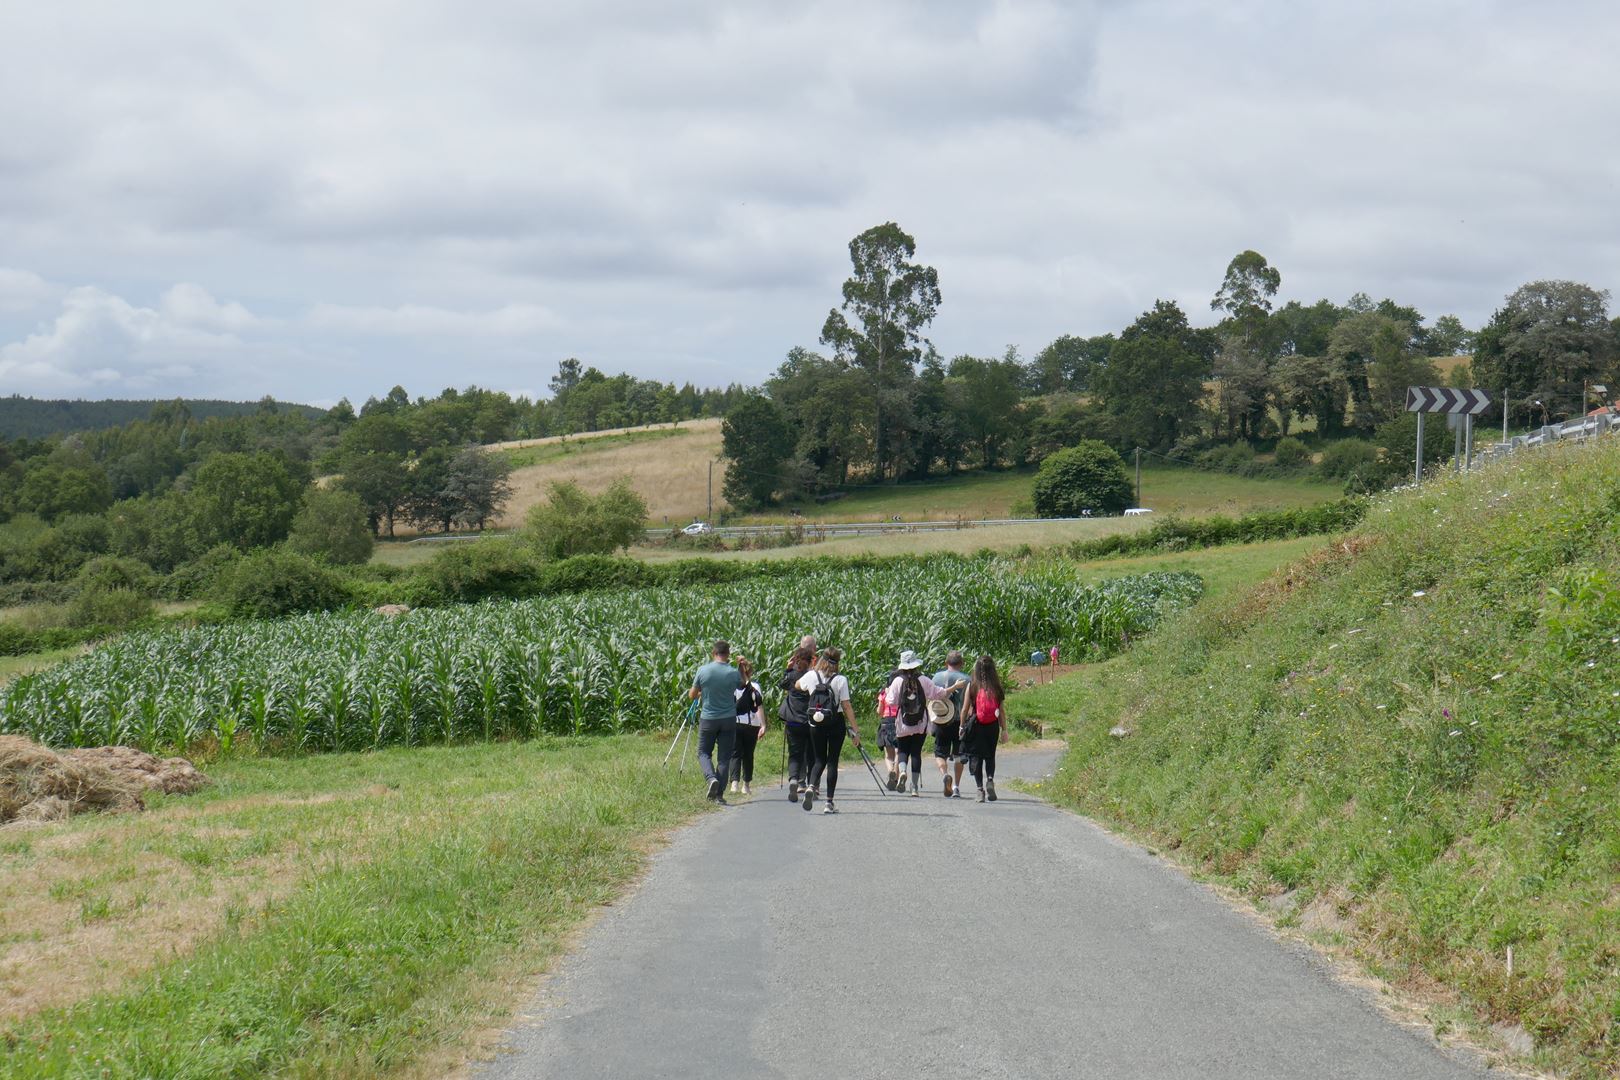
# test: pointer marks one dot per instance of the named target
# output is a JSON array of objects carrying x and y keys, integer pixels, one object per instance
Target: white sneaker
[
  {"x": 748, "y": 789},
  {"x": 735, "y": 787}
]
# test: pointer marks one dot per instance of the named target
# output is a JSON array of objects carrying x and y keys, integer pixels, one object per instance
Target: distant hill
[{"x": 36, "y": 418}]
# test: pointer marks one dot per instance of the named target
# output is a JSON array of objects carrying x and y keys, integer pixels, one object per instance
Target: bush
[
  {"x": 332, "y": 525},
  {"x": 269, "y": 584},
  {"x": 201, "y": 575},
  {"x": 117, "y": 572},
  {"x": 1291, "y": 453},
  {"x": 1346, "y": 457},
  {"x": 572, "y": 522},
  {"x": 472, "y": 570},
  {"x": 585, "y": 572},
  {"x": 1177, "y": 534},
  {"x": 110, "y": 607},
  {"x": 1237, "y": 458},
  {"x": 1087, "y": 476}
]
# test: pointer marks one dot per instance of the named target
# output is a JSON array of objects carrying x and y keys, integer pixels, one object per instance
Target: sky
[{"x": 319, "y": 200}]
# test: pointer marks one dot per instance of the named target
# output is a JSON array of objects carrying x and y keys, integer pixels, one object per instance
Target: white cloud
[
  {"x": 23, "y": 290},
  {"x": 669, "y": 189}
]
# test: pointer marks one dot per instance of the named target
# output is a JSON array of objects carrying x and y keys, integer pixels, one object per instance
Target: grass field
[
  {"x": 1405, "y": 745},
  {"x": 350, "y": 915}
]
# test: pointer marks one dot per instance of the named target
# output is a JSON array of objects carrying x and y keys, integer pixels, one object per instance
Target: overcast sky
[{"x": 314, "y": 200}]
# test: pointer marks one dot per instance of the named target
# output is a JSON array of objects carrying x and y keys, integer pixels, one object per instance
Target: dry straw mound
[{"x": 39, "y": 784}]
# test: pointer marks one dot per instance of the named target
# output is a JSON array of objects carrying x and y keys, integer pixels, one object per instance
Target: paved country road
[{"x": 925, "y": 938}]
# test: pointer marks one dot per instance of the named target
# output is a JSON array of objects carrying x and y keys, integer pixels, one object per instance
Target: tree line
[{"x": 883, "y": 404}]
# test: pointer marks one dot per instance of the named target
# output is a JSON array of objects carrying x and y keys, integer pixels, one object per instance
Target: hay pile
[{"x": 39, "y": 784}]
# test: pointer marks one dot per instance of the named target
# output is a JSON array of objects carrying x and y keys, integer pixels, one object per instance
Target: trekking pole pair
[
  {"x": 687, "y": 723},
  {"x": 872, "y": 768}
]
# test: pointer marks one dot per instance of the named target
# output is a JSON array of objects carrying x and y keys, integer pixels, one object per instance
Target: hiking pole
[
  {"x": 686, "y": 718},
  {"x": 871, "y": 768}
]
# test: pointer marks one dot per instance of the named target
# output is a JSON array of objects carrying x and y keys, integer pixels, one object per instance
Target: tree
[
  {"x": 1089, "y": 476},
  {"x": 756, "y": 441},
  {"x": 476, "y": 486},
  {"x": 1246, "y": 291},
  {"x": 381, "y": 482},
  {"x": 1310, "y": 386},
  {"x": 64, "y": 483},
  {"x": 1378, "y": 359},
  {"x": 1449, "y": 337},
  {"x": 988, "y": 395},
  {"x": 1546, "y": 342},
  {"x": 572, "y": 522},
  {"x": 892, "y": 300},
  {"x": 567, "y": 377},
  {"x": 1069, "y": 363},
  {"x": 332, "y": 525},
  {"x": 246, "y": 500},
  {"x": 1153, "y": 385}
]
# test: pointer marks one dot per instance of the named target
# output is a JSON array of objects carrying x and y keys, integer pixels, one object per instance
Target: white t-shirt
[
  {"x": 812, "y": 678},
  {"x": 755, "y": 718}
]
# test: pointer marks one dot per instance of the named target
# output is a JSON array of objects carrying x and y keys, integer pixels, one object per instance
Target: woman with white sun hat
[{"x": 908, "y": 695}]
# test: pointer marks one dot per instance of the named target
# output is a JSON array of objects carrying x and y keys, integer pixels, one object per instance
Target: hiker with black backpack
[
  {"x": 829, "y": 716},
  {"x": 795, "y": 727},
  {"x": 908, "y": 694},
  {"x": 947, "y": 718}
]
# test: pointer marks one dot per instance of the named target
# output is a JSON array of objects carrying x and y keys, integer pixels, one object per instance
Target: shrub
[
  {"x": 1087, "y": 476},
  {"x": 573, "y": 522},
  {"x": 332, "y": 525},
  {"x": 201, "y": 575},
  {"x": 1237, "y": 457},
  {"x": 1342, "y": 459},
  {"x": 1179, "y": 534},
  {"x": 269, "y": 584},
  {"x": 1291, "y": 453},
  {"x": 476, "y": 570},
  {"x": 584, "y": 572},
  {"x": 111, "y": 607},
  {"x": 116, "y": 572}
]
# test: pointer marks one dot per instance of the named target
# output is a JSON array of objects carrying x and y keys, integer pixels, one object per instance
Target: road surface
[{"x": 920, "y": 938}]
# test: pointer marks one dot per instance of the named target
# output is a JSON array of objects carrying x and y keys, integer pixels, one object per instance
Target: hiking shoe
[
  {"x": 990, "y": 789},
  {"x": 901, "y": 786},
  {"x": 829, "y": 808},
  {"x": 714, "y": 789},
  {"x": 735, "y": 787},
  {"x": 948, "y": 787},
  {"x": 809, "y": 799},
  {"x": 981, "y": 794},
  {"x": 915, "y": 794},
  {"x": 748, "y": 789},
  {"x": 894, "y": 779},
  {"x": 793, "y": 791}
]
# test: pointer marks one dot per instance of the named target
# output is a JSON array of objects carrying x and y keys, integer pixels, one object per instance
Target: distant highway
[{"x": 816, "y": 529}]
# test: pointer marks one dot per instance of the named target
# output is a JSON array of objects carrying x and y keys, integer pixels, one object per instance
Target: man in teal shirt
[{"x": 716, "y": 685}]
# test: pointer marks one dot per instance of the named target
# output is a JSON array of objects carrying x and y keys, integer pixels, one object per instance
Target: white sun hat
[{"x": 908, "y": 661}]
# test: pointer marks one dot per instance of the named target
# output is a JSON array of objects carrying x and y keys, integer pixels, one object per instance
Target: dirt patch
[{"x": 39, "y": 784}]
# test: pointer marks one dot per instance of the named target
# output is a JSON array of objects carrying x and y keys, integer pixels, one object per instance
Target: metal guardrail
[
  {"x": 1585, "y": 427},
  {"x": 824, "y": 529}
]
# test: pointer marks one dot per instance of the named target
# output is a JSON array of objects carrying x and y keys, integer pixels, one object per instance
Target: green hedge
[{"x": 1181, "y": 534}]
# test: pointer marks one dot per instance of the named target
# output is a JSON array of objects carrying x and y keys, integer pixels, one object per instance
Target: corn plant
[{"x": 594, "y": 662}]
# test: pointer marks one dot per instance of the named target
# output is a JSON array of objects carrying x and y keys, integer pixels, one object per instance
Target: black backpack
[
  {"x": 794, "y": 701},
  {"x": 913, "y": 706},
  {"x": 822, "y": 700}
]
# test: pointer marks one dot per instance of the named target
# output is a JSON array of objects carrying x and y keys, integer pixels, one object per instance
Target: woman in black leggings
[
  {"x": 987, "y": 728},
  {"x": 827, "y": 737},
  {"x": 794, "y": 728},
  {"x": 750, "y": 729}
]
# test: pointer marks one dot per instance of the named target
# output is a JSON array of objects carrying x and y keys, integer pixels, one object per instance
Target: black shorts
[
  {"x": 886, "y": 733},
  {"x": 947, "y": 741}
]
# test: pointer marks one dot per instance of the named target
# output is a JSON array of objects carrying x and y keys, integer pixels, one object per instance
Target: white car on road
[
  {"x": 698, "y": 528},
  {"x": 1137, "y": 510}
]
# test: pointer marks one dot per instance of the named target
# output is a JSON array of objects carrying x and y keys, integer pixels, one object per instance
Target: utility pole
[
  {"x": 1139, "y": 477},
  {"x": 710, "y": 518}
]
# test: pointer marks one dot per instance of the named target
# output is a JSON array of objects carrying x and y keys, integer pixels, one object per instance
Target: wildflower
[
  {"x": 1498, "y": 676},
  {"x": 1420, "y": 592}
]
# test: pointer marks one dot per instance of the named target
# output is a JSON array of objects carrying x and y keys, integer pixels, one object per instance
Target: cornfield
[{"x": 607, "y": 661}]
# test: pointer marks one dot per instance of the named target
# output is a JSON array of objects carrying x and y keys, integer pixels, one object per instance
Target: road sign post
[{"x": 1459, "y": 405}]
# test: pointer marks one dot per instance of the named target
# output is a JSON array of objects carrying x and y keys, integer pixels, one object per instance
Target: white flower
[
  {"x": 1420, "y": 592},
  {"x": 1498, "y": 675}
]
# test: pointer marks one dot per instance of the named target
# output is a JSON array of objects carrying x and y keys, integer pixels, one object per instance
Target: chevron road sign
[{"x": 1443, "y": 399}]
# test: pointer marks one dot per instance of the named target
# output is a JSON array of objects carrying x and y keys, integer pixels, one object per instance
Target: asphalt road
[{"x": 922, "y": 938}]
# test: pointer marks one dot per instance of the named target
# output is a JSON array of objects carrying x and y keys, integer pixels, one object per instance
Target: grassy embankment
[
  {"x": 340, "y": 915},
  {"x": 1405, "y": 744}
]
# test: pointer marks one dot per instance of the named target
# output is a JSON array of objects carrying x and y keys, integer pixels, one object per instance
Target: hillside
[
  {"x": 1405, "y": 744},
  {"x": 37, "y": 418}
]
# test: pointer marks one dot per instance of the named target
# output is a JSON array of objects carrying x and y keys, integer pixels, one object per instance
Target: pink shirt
[{"x": 893, "y": 695}]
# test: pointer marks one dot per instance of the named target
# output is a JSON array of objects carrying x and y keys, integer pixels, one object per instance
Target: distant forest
[{"x": 35, "y": 418}]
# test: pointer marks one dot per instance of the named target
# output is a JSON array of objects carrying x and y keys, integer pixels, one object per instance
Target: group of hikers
[{"x": 964, "y": 712}]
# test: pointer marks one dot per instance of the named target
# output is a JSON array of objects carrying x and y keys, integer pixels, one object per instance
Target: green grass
[
  {"x": 27, "y": 664},
  {"x": 360, "y": 913},
  {"x": 978, "y": 495},
  {"x": 1415, "y": 734}
]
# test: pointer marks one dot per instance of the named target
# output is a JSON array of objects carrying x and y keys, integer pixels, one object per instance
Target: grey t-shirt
[
  {"x": 945, "y": 680},
  {"x": 717, "y": 685}
]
